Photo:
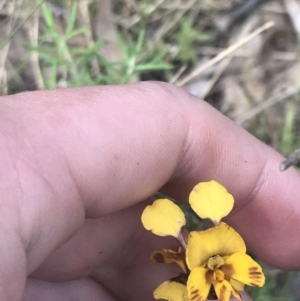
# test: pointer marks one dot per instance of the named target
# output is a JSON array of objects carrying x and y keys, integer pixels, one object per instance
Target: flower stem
[{"x": 181, "y": 241}]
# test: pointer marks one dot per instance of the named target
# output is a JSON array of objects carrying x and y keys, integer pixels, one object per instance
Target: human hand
[{"x": 78, "y": 165}]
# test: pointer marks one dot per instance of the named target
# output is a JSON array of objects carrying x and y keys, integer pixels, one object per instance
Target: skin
[{"x": 78, "y": 166}]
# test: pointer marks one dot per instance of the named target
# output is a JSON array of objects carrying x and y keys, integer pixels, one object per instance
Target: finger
[
  {"x": 81, "y": 290},
  {"x": 114, "y": 250},
  {"x": 73, "y": 149},
  {"x": 184, "y": 141},
  {"x": 49, "y": 177}
]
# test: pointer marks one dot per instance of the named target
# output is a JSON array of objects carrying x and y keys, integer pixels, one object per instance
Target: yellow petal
[
  {"x": 221, "y": 240},
  {"x": 171, "y": 291},
  {"x": 163, "y": 218},
  {"x": 239, "y": 286},
  {"x": 236, "y": 294},
  {"x": 211, "y": 200},
  {"x": 170, "y": 256},
  {"x": 199, "y": 283},
  {"x": 223, "y": 290},
  {"x": 243, "y": 268},
  {"x": 219, "y": 276}
]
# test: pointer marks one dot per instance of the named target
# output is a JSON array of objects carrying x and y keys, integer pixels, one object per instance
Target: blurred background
[{"x": 241, "y": 56}]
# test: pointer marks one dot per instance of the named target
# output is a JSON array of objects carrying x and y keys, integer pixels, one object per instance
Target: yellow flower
[
  {"x": 174, "y": 289},
  {"x": 217, "y": 257},
  {"x": 208, "y": 199},
  {"x": 171, "y": 291},
  {"x": 163, "y": 218},
  {"x": 211, "y": 200},
  {"x": 170, "y": 256}
]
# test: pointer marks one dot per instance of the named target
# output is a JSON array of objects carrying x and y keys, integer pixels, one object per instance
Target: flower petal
[
  {"x": 171, "y": 291},
  {"x": 243, "y": 268},
  {"x": 211, "y": 200},
  {"x": 223, "y": 290},
  {"x": 170, "y": 256},
  {"x": 163, "y": 218},
  {"x": 199, "y": 283},
  {"x": 219, "y": 276},
  {"x": 220, "y": 240},
  {"x": 239, "y": 286},
  {"x": 236, "y": 294}
]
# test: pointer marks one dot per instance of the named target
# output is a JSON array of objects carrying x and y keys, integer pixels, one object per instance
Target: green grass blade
[{"x": 72, "y": 19}]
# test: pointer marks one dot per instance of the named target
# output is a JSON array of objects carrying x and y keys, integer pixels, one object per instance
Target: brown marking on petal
[
  {"x": 158, "y": 257},
  {"x": 222, "y": 292},
  {"x": 254, "y": 273},
  {"x": 197, "y": 298},
  {"x": 218, "y": 276},
  {"x": 254, "y": 270},
  {"x": 228, "y": 270},
  {"x": 209, "y": 276},
  {"x": 253, "y": 284},
  {"x": 195, "y": 294},
  {"x": 256, "y": 276},
  {"x": 238, "y": 293},
  {"x": 259, "y": 276}
]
